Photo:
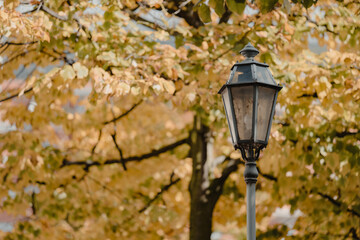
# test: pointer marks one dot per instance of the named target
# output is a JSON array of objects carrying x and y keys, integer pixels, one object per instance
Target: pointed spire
[{"x": 249, "y": 51}]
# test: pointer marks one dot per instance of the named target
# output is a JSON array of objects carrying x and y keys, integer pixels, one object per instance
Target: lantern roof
[{"x": 250, "y": 71}]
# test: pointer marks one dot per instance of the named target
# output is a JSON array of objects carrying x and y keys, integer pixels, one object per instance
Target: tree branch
[
  {"x": 52, "y": 13},
  {"x": 17, "y": 43},
  {"x": 314, "y": 95},
  {"x": 344, "y": 134},
  {"x": 94, "y": 147},
  {"x": 113, "y": 136},
  {"x": 226, "y": 16},
  {"x": 267, "y": 176},
  {"x": 162, "y": 190},
  {"x": 124, "y": 114},
  {"x": 33, "y": 202},
  {"x": 153, "y": 153},
  {"x": 104, "y": 187},
  {"x": 217, "y": 184},
  {"x": 15, "y": 95},
  {"x": 317, "y": 24},
  {"x": 338, "y": 203},
  {"x": 15, "y": 57}
]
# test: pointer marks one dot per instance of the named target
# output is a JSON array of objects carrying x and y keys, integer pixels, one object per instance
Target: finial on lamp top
[{"x": 249, "y": 51}]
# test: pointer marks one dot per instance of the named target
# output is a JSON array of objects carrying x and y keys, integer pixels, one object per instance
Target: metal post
[
  {"x": 250, "y": 208},
  {"x": 250, "y": 175}
]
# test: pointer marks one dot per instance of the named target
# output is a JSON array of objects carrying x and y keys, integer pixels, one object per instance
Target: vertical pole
[
  {"x": 250, "y": 175},
  {"x": 250, "y": 209}
]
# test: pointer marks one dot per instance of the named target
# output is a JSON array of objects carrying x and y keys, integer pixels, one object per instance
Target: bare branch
[
  {"x": 153, "y": 153},
  {"x": 316, "y": 23},
  {"x": 226, "y": 16},
  {"x": 17, "y": 56},
  {"x": 18, "y": 43},
  {"x": 267, "y": 176},
  {"x": 4, "y": 49},
  {"x": 33, "y": 203},
  {"x": 119, "y": 150},
  {"x": 345, "y": 133},
  {"x": 162, "y": 190},
  {"x": 15, "y": 95},
  {"x": 338, "y": 203},
  {"x": 94, "y": 147},
  {"x": 52, "y": 13},
  {"x": 217, "y": 184},
  {"x": 104, "y": 186},
  {"x": 124, "y": 114}
]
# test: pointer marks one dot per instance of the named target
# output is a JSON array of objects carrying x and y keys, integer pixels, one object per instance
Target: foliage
[{"x": 103, "y": 100}]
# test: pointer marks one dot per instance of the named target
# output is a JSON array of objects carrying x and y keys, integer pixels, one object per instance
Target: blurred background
[{"x": 111, "y": 126}]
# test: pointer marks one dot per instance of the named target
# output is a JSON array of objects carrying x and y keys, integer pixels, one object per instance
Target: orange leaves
[
  {"x": 81, "y": 70},
  {"x": 67, "y": 73},
  {"x": 21, "y": 27},
  {"x": 322, "y": 87}
]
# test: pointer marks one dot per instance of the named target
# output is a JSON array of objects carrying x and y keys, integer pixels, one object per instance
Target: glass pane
[
  {"x": 243, "y": 106},
  {"x": 264, "y": 107},
  {"x": 242, "y": 74},
  {"x": 229, "y": 115},
  {"x": 263, "y": 75}
]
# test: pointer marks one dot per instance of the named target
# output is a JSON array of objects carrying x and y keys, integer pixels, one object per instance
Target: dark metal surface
[{"x": 249, "y": 51}]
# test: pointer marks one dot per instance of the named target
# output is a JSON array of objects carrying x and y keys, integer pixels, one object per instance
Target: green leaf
[
  {"x": 308, "y": 158},
  {"x": 308, "y": 3},
  {"x": 204, "y": 13},
  {"x": 267, "y": 5},
  {"x": 236, "y": 6},
  {"x": 179, "y": 41},
  {"x": 218, "y": 5}
]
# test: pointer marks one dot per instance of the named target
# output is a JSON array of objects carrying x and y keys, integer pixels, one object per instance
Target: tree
[{"x": 114, "y": 113}]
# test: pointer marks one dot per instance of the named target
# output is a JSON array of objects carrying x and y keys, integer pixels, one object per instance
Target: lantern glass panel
[
  {"x": 242, "y": 74},
  {"x": 243, "y": 98},
  {"x": 229, "y": 113},
  {"x": 263, "y": 75},
  {"x": 264, "y": 108}
]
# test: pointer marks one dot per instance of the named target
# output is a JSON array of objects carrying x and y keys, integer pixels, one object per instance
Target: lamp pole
[
  {"x": 249, "y": 98},
  {"x": 250, "y": 175}
]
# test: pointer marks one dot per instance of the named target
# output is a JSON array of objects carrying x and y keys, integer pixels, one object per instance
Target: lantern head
[{"x": 249, "y": 98}]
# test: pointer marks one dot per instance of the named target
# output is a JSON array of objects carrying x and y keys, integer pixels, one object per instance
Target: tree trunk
[
  {"x": 200, "y": 212},
  {"x": 203, "y": 193}
]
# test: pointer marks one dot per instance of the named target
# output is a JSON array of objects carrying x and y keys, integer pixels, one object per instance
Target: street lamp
[{"x": 249, "y": 98}]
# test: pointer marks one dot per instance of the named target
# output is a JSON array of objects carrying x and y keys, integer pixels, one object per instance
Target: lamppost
[{"x": 249, "y": 98}]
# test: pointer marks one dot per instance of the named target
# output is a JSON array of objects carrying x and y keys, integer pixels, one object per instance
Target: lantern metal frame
[{"x": 250, "y": 147}]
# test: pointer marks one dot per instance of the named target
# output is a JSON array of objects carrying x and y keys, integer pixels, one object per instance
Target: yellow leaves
[
  {"x": 108, "y": 85},
  {"x": 113, "y": 59},
  {"x": 183, "y": 30},
  {"x": 161, "y": 35},
  {"x": 288, "y": 28},
  {"x": 81, "y": 70},
  {"x": 169, "y": 86},
  {"x": 107, "y": 56},
  {"x": 122, "y": 88},
  {"x": 97, "y": 74},
  {"x": 322, "y": 87},
  {"x": 262, "y": 34},
  {"x": 153, "y": 3},
  {"x": 67, "y": 73},
  {"x": 46, "y": 37},
  {"x": 135, "y": 90}
]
